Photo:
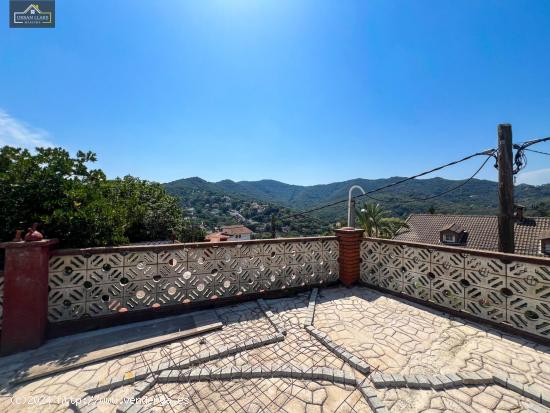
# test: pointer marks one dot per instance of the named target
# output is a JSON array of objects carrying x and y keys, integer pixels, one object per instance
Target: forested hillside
[{"x": 217, "y": 203}]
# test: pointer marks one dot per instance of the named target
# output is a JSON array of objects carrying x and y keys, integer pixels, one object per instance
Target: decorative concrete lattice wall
[
  {"x": 502, "y": 288},
  {"x": 90, "y": 283}
]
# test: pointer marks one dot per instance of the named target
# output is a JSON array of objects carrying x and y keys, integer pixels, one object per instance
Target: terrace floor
[{"x": 391, "y": 335}]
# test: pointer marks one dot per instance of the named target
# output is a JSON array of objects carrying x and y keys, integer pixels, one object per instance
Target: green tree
[
  {"x": 376, "y": 223},
  {"x": 394, "y": 225},
  {"x": 151, "y": 214},
  {"x": 79, "y": 205}
]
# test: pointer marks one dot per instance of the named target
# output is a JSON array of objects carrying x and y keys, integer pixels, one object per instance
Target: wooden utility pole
[{"x": 505, "y": 189}]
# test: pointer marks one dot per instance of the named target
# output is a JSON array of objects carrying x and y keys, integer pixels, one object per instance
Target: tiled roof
[
  {"x": 236, "y": 230},
  {"x": 453, "y": 227},
  {"x": 481, "y": 231},
  {"x": 216, "y": 237}
]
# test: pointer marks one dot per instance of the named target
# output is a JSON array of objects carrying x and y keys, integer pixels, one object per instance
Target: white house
[{"x": 237, "y": 232}]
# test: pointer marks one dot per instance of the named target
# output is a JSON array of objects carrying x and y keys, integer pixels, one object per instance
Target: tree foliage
[
  {"x": 79, "y": 205},
  {"x": 376, "y": 223}
]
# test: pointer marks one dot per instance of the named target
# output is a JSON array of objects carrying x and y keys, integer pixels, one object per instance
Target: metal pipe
[{"x": 351, "y": 205}]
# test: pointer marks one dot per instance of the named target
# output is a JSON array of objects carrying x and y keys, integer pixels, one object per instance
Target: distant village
[
  {"x": 223, "y": 218},
  {"x": 479, "y": 232}
]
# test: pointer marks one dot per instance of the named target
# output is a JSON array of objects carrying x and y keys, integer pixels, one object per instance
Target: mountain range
[{"x": 476, "y": 197}]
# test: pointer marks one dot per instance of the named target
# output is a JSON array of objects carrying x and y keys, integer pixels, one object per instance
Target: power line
[
  {"x": 489, "y": 153},
  {"x": 446, "y": 191},
  {"x": 542, "y": 153},
  {"x": 461, "y": 184},
  {"x": 531, "y": 142},
  {"x": 440, "y": 194},
  {"x": 520, "y": 160}
]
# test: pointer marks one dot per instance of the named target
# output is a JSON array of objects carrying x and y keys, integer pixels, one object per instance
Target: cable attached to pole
[{"x": 520, "y": 160}]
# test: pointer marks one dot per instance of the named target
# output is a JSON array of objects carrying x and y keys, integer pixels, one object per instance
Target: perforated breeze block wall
[
  {"x": 504, "y": 288},
  {"x": 91, "y": 284}
]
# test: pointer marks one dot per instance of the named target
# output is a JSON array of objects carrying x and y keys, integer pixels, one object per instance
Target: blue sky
[{"x": 304, "y": 92}]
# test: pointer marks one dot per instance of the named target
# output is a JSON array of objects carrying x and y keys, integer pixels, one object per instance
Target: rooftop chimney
[{"x": 518, "y": 212}]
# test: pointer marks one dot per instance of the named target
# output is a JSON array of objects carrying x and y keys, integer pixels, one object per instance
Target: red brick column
[
  {"x": 349, "y": 241},
  {"x": 25, "y": 295}
]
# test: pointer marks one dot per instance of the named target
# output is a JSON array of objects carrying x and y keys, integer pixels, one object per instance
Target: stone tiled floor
[
  {"x": 261, "y": 395},
  {"x": 391, "y": 335}
]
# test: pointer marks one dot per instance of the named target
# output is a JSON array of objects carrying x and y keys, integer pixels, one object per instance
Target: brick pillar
[
  {"x": 349, "y": 241},
  {"x": 25, "y": 295}
]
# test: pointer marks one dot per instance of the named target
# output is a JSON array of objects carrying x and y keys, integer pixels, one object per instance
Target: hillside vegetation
[{"x": 478, "y": 197}]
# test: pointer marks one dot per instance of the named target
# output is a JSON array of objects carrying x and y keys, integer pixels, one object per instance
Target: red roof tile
[
  {"x": 481, "y": 231},
  {"x": 236, "y": 230}
]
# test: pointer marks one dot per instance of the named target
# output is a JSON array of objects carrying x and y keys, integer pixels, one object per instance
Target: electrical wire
[
  {"x": 520, "y": 161},
  {"x": 531, "y": 142},
  {"x": 433, "y": 196},
  {"x": 489, "y": 153},
  {"x": 446, "y": 191},
  {"x": 542, "y": 153}
]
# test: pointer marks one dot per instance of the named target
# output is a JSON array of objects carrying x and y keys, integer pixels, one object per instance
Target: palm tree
[
  {"x": 374, "y": 220},
  {"x": 393, "y": 227}
]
